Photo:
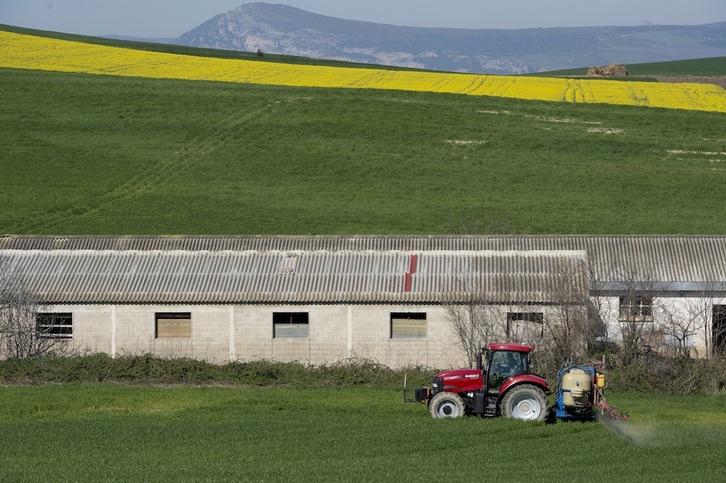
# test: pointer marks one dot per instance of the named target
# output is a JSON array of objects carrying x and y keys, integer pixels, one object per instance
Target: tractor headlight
[{"x": 437, "y": 386}]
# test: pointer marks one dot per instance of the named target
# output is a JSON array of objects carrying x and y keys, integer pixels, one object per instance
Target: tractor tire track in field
[
  {"x": 156, "y": 174},
  {"x": 477, "y": 84},
  {"x": 574, "y": 92}
]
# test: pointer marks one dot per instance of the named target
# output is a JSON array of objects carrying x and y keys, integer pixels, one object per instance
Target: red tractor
[{"x": 501, "y": 384}]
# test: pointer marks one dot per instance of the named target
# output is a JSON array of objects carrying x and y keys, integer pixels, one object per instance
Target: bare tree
[
  {"x": 637, "y": 288},
  {"x": 680, "y": 327},
  {"x": 696, "y": 317},
  {"x": 598, "y": 308},
  {"x": 20, "y": 333},
  {"x": 639, "y": 312},
  {"x": 472, "y": 318},
  {"x": 525, "y": 327},
  {"x": 570, "y": 326}
]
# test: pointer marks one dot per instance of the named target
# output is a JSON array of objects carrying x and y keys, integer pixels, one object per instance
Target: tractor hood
[{"x": 464, "y": 380}]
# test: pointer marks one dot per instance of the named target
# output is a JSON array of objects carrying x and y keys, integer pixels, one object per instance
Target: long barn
[{"x": 321, "y": 299}]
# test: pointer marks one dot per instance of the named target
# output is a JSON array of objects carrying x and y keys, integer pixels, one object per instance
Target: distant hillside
[{"x": 285, "y": 30}]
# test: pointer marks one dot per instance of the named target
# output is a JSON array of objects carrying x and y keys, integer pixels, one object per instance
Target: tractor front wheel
[
  {"x": 524, "y": 402},
  {"x": 446, "y": 405}
]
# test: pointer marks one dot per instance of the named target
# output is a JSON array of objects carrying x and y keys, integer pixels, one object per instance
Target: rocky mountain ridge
[{"x": 281, "y": 29}]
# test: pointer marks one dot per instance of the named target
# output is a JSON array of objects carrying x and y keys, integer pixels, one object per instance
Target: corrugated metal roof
[
  {"x": 223, "y": 269},
  {"x": 155, "y": 276}
]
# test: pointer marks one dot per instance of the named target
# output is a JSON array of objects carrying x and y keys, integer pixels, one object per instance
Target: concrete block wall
[{"x": 221, "y": 333}]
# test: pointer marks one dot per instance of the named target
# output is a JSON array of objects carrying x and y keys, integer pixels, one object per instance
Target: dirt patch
[
  {"x": 605, "y": 130},
  {"x": 703, "y": 153},
  {"x": 464, "y": 142}
]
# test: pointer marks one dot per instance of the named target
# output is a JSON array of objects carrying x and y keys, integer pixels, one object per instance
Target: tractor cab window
[{"x": 505, "y": 364}]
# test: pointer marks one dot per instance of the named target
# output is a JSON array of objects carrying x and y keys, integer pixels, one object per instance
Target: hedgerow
[
  {"x": 652, "y": 373},
  {"x": 147, "y": 369}
]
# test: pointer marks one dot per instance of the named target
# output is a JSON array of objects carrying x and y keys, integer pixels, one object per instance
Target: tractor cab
[{"x": 499, "y": 362}]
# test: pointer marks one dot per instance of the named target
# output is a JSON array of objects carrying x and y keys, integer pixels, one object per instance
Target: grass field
[
  {"x": 108, "y": 155},
  {"x": 123, "y": 433},
  {"x": 91, "y": 154}
]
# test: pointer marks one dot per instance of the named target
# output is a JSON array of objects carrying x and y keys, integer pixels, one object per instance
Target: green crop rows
[
  {"x": 121, "y": 433},
  {"x": 103, "y": 155}
]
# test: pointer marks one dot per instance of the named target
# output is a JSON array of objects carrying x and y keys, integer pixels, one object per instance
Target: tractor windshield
[{"x": 505, "y": 364}]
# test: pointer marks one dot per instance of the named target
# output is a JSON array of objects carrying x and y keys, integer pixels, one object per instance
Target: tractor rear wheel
[
  {"x": 446, "y": 405},
  {"x": 524, "y": 402}
]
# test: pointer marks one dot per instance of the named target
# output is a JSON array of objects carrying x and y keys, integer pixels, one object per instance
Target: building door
[{"x": 719, "y": 330}]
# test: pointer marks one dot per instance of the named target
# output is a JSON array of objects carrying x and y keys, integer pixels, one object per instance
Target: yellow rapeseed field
[{"x": 19, "y": 51}]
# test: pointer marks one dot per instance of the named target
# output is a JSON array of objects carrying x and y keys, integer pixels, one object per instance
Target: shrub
[
  {"x": 148, "y": 369},
  {"x": 672, "y": 375}
]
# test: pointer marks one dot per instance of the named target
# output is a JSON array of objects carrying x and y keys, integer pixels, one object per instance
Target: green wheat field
[{"x": 109, "y": 432}]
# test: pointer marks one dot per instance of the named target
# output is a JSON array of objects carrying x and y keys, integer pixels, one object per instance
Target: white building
[{"x": 325, "y": 299}]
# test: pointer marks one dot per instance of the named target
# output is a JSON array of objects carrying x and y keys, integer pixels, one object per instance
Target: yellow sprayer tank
[
  {"x": 600, "y": 378},
  {"x": 576, "y": 389}
]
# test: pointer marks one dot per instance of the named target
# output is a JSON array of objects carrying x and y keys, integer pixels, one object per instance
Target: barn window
[
  {"x": 55, "y": 325},
  {"x": 636, "y": 307},
  {"x": 408, "y": 325},
  {"x": 173, "y": 325},
  {"x": 290, "y": 325},
  {"x": 526, "y": 327}
]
